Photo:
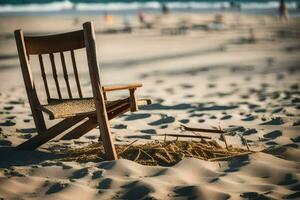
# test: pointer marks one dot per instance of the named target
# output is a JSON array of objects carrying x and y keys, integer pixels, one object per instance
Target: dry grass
[{"x": 157, "y": 153}]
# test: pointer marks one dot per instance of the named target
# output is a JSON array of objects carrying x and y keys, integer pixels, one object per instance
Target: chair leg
[
  {"x": 133, "y": 104},
  {"x": 50, "y": 133},
  {"x": 81, "y": 129},
  {"x": 105, "y": 133}
]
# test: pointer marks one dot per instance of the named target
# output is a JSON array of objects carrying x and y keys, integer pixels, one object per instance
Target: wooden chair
[{"x": 89, "y": 112}]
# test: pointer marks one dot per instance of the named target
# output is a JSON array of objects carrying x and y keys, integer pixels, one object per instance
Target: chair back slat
[
  {"x": 54, "y": 43},
  {"x": 76, "y": 73},
  {"x": 54, "y": 74},
  {"x": 44, "y": 76},
  {"x": 63, "y": 63}
]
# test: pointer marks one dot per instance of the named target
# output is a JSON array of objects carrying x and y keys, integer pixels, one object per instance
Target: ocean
[{"x": 125, "y": 7}]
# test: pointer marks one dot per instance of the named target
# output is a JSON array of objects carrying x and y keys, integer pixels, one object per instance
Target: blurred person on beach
[
  {"x": 165, "y": 9},
  {"x": 141, "y": 16},
  {"x": 127, "y": 24},
  {"x": 283, "y": 11},
  {"x": 107, "y": 18}
]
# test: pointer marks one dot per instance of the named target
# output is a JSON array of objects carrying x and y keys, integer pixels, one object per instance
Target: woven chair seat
[{"x": 76, "y": 107}]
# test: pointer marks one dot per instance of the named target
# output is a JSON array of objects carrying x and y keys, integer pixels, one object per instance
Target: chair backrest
[
  {"x": 62, "y": 45},
  {"x": 43, "y": 46}
]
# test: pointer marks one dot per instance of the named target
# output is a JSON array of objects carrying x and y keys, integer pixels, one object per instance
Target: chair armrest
[{"x": 121, "y": 87}]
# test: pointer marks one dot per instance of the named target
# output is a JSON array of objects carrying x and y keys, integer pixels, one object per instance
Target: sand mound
[{"x": 154, "y": 153}]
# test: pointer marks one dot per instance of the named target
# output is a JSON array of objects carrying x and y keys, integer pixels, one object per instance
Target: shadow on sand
[{"x": 10, "y": 156}]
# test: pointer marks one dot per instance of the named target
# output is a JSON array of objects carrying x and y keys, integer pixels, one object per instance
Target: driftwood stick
[
  {"x": 129, "y": 145},
  {"x": 229, "y": 157},
  {"x": 188, "y": 136},
  {"x": 167, "y": 153},
  {"x": 244, "y": 140},
  {"x": 186, "y": 128},
  {"x": 158, "y": 155},
  {"x": 147, "y": 155},
  {"x": 225, "y": 141},
  {"x": 138, "y": 155}
]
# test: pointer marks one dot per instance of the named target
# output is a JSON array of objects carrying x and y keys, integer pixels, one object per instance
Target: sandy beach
[{"x": 242, "y": 75}]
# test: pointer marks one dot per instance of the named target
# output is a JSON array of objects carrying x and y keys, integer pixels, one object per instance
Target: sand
[{"x": 242, "y": 76}]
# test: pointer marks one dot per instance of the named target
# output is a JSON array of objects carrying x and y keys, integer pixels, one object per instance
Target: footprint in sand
[
  {"x": 296, "y": 123},
  {"x": 149, "y": 131},
  {"x": 279, "y": 76},
  {"x": 234, "y": 128},
  {"x": 248, "y": 78},
  {"x": 249, "y": 118},
  {"x": 26, "y": 130},
  {"x": 91, "y": 137},
  {"x": 274, "y": 121},
  {"x": 189, "y": 96},
  {"x": 273, "y": 135},
  {"x": 260, "y": 110},
  {"x": 80, "y": 173},
  {"x": 194, "y": 192},
  {"x": 186, "y": 86},
  {"x": 184, "y": 121},
  {"x": 12, "y": 172},
  {"x": 164, "y": 120},
  {"x": 8, "y": 108},
  {"x": 262, "y": 98},
  {"x": 245, "y": 96},
  {"x": 105, "y": 183},
  {"x": 297, "y": 139},
  {"x": 226, "y": 117},
  {"x": 253, "y": 195},
  {"x": 159, "y": 81},
  {"x": 296, "y": 100},
  {"x": 16, "y": 102},
  {"x": 211, "y": 85},
  {"x": 137, "y": 116},
  {"x": 170, "y": 90},
  {"x": 120, "y": 126},
  {"x": 294, "y": 87},
  {"x": 7, "y": 123},
  {"x": 26, "y": 120},
  {"x": 288, "y": 180},
  {"x": 277, "y": 110},
  {"x": 26, "y": 136},
  {"x": 97, "y": 174},
  {"x": 272, "y": 143},
  {"x": 137, "y": 190},
  {"x": 197, "y": 115},
  {"x": 57, "y": 187},
  {"x": 163, "y": 126},
  {"x": 250, "y": 131}
]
